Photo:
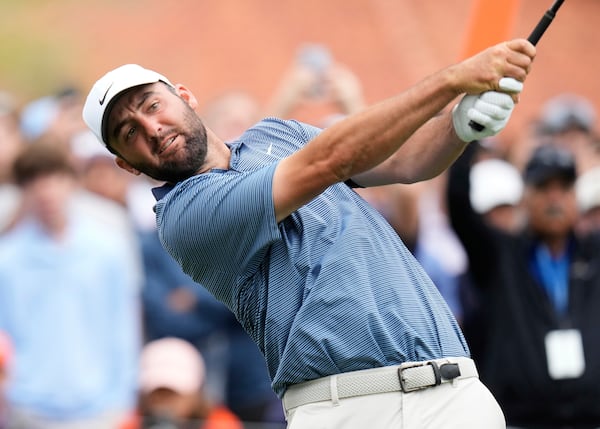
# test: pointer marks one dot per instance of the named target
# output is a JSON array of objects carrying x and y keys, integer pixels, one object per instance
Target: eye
[
  {"x": 130, "y": 133},
  {"x": 154, "y": 106}
]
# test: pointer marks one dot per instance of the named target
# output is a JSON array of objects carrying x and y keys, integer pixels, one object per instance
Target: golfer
[{"x": 353, "y": 331}]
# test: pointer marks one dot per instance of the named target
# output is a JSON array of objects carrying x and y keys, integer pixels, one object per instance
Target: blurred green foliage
[
  {"x": 30, "y": 65},
  {"x": 32, "y": 56}
]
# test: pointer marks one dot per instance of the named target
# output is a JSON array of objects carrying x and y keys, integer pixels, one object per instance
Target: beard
[{"x": 186, "y": 161}]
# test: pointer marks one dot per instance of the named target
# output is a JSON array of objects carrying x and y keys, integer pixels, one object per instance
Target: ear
[
  {"x": 125, "y": 166},
  {"x": 186, "y": 95}
]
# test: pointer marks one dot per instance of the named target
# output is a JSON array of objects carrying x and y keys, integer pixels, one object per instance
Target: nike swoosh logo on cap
[{"x": 105, "y": 94}]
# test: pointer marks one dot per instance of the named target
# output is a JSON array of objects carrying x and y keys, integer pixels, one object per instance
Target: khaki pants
[{"x": 461, "y": 404}]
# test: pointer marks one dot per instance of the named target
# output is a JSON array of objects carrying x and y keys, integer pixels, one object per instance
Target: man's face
[
  {"x": 154, "y": 130},
  {"x": 551, "y": 207}
]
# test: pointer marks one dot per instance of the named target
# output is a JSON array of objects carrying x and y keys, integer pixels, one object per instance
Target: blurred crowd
[{"x": 99, "y": 328}]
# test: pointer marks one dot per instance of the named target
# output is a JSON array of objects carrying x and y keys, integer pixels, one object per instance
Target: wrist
[
  {"x": 453, "y": 136},
  {"x": 452, "y": 82}
]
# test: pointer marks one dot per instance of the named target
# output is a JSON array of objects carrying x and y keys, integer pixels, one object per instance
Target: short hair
[{"x": 41, "y": 159}]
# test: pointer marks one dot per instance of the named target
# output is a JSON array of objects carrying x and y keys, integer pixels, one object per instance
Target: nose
[{"x": 151, "y": 127}]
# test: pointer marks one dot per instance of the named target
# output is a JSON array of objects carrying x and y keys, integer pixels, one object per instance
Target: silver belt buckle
[{"x": 436, "y": 372}]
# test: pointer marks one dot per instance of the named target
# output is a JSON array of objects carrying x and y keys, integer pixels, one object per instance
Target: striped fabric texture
[{"x": 330, "y": 289}]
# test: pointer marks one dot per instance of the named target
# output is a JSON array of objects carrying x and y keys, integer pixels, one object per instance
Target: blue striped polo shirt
[{"x": 329, "y": 289}]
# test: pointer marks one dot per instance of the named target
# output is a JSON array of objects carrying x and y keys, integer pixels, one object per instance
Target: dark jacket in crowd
[{"x": 516, "y": 315}]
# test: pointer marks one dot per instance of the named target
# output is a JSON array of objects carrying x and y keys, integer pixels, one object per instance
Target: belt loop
[
  {"x": 436, "y": 372},
  {"x": 333, "y": 388}
]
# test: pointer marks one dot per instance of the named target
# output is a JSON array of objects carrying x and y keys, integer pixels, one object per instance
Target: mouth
[{"x": 166, "y": 144}]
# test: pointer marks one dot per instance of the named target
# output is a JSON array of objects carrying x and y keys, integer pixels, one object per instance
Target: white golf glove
[{"x": 490, "y": 109}]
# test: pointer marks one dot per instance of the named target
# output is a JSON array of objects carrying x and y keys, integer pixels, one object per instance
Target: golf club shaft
[
  {"x": 534, "y": 38},
  {"x": 541, "y": 27}
]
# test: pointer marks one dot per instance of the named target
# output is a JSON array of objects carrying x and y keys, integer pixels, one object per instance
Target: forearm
[
  {"x": 368, "y": 138},
  {"x": 357, "y": 143},
  {"x": 376, "y": 133},
  {"x": 426, "y": 154},
  {"x": 379, "y": 132}
]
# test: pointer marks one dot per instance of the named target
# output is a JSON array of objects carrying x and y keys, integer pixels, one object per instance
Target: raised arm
[
  {"x": 363, "y": 141},
  {"x": 424, "y": 155}
]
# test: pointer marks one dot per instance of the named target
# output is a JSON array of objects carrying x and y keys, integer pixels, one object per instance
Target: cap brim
[{"x": 544, "y": 176}]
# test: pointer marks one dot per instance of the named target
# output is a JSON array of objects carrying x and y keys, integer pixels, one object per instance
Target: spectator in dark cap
[
  {"x": 550, "y": 162},
  {"x": 540, "y": 288}
]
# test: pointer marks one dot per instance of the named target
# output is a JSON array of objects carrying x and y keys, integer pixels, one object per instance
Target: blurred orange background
[{"x": 214, "y": 45}]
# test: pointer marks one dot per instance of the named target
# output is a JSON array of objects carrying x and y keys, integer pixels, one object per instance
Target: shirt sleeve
[{"x": 219, "y": 225}]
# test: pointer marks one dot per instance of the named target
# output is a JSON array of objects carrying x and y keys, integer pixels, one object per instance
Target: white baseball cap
[
  {"x": 494, "y": 183},
  {"x": 104, "y": 92},
  {"x": 587, "y": 190}
]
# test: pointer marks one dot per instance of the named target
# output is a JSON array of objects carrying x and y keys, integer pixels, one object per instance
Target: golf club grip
[
  {"x": 533, "y": 38},
  {"x": 541, "y": 27}
]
